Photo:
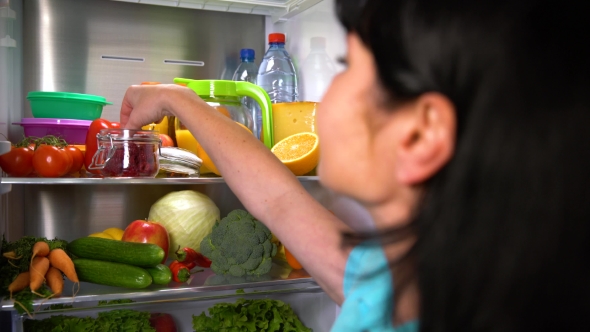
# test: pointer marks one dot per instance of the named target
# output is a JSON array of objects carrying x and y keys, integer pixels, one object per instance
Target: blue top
[
  {"x": 368, "y": 293},
  {"x": 247, "y": 54}
]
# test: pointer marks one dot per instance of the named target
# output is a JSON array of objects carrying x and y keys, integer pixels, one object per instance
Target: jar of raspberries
[{"x": 127, "y": 153}]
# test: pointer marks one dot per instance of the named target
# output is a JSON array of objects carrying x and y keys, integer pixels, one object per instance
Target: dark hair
[{"x": 503, "y": 232}]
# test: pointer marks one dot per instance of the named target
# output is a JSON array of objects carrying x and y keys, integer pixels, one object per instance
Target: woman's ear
[{"x": 428, "y": 139}]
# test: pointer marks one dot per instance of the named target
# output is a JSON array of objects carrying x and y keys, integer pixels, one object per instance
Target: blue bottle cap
[{"x": 247, "y": 53}]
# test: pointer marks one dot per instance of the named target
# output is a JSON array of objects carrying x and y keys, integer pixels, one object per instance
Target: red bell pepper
[
  {"x": 180, "y": 272},
  {"x": 92, "y": 144},
  {"x": 191, "y": 258}
]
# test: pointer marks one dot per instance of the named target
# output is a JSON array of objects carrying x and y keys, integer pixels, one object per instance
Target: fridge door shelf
[
  {"x": 203, "y": 286},
  {"x": 313, "y": 306}
]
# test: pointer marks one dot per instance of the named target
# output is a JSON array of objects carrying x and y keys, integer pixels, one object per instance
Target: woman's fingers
[{"x": 141, "y": 105}]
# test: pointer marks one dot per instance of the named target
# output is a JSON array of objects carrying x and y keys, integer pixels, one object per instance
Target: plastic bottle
[
  {"x": 277, "y": 75},
  {"x": 248, "y": 71},
  {"x": 317, "y": 71}
]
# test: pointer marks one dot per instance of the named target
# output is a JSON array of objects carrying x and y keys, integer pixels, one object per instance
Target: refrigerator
[{"x": 101, "y": 47}]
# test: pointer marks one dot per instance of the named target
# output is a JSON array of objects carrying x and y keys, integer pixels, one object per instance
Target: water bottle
[
  {"x": 247, "y": 71},
  {"x": 317, "y": 71},
  {"x": 276, "y": 74}
]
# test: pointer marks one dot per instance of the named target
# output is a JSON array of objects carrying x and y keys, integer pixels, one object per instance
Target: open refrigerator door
[{"x": 102, "y": 47}]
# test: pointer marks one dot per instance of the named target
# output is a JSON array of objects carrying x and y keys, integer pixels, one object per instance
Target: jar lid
[{"x": 178, "y": 160}]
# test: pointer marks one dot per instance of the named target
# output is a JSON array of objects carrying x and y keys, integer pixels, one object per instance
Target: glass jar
[{"x": 127, "y": 153}]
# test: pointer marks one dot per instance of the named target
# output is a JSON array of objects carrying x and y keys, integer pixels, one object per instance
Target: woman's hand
[{"x": 145, "y": 104}]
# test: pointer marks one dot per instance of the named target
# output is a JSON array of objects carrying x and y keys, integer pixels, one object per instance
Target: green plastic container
[{"x": 66, "y": 105}]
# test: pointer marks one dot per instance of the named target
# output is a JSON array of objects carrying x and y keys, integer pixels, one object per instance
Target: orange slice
[{"x": 299, "y": 152}]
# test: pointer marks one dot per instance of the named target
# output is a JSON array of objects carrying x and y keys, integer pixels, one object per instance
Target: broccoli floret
[{"x": 239, "y": 245}]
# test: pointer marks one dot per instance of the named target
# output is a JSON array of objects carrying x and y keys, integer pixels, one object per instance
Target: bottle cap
[
  {"x": 318, "y": 42},
  {"x": 247, "y": 53},
  {"x": 276, "y": 38}
]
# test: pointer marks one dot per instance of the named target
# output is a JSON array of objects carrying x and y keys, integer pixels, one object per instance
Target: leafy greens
[
  {"x": 249, "y": 316},
  {"x": 111, "y": 321}
]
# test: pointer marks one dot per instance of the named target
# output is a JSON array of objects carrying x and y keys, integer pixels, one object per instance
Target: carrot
[
  {"x": 40, "y": 248},
  {"x": 55, "y": 281},
  {"x": 19, "y": 283},
  {"x": 60, "y": 260},
  {"x": 38, "y": 270}
]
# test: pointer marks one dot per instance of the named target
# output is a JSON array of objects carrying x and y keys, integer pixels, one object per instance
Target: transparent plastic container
[
  {"x": 247, "y": 72},
  {"x": 317, "y": 71},
  {"x": 127, "y": 153},
  {"x": 276, "y": 74}
]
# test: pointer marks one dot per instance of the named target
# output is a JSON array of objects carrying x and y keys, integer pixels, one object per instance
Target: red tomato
[
  {"x": 115, "y": 125},
  {"x": 18, "y": 162},
  {"x": 166, "y": 140},
  {"x": 77, "y": 158},
  {"x": 50, "y": 161},
  {"x": 92, "y": 144}
]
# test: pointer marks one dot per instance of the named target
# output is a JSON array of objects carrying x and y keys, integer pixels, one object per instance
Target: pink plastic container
[{"x": 73, "y": 131}]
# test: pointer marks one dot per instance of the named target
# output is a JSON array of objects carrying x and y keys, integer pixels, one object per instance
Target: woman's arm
[{"x": 261, "y": 182}]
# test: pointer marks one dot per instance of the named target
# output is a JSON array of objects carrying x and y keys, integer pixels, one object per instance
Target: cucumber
[
  {"x": 132, "y": 253},
  {"x": 161, "y": 274},
  {"x": 111, "y": 274}
]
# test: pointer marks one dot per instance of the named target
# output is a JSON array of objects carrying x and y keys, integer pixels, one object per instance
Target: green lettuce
[{"x": 249, "y": 316}]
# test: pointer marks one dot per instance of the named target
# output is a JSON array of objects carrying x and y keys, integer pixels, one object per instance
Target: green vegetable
[
  {"x": 161, "y": 274},
  {"x": 250, "y": 315},
  {"x": 112, "y": 321},
  {"x": 132, "y": 253},
  {"x": 23, "y": 300},
  {"x": 239, "y": 245},
  {"x": 188, "y": 216},
  {"x": 111, "y": 274},
  {"x": 22, "y": 250}
]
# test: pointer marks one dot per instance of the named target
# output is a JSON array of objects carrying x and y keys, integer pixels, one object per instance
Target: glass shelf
[
  {"x": 202, "y": 286},
  {"x": 125, "y": 181}
]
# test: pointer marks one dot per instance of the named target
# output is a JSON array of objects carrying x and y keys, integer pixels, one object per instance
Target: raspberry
[{"x": 132, "y": 160}]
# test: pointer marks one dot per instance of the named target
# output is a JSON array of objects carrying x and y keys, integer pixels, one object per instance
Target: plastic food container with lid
[
  {"x": 127, "y": 153},
  {"x": 66, "y": 105},
  {"x": 72, "y": 131}
]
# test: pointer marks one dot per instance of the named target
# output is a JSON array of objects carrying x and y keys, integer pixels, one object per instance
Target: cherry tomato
[
  {"x": 115, "y": 125},
  {"x": 166, "y": 140},
  {"x": 18, "y": 162},
  {"x": 51, "y": 161},
  {"x": 77, "y": 158}
]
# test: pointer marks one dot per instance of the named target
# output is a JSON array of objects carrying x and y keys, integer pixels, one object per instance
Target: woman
[{"x": 466, "y": 124}]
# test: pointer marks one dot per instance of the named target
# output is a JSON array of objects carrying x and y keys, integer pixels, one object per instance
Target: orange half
[{"x": 299, "y": 152}]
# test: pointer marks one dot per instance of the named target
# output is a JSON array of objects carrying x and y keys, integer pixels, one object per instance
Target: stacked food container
[{"x": 62, "y": 114}]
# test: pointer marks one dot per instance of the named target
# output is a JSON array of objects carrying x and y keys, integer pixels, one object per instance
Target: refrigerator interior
[{"x": 103, "y": 46}]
